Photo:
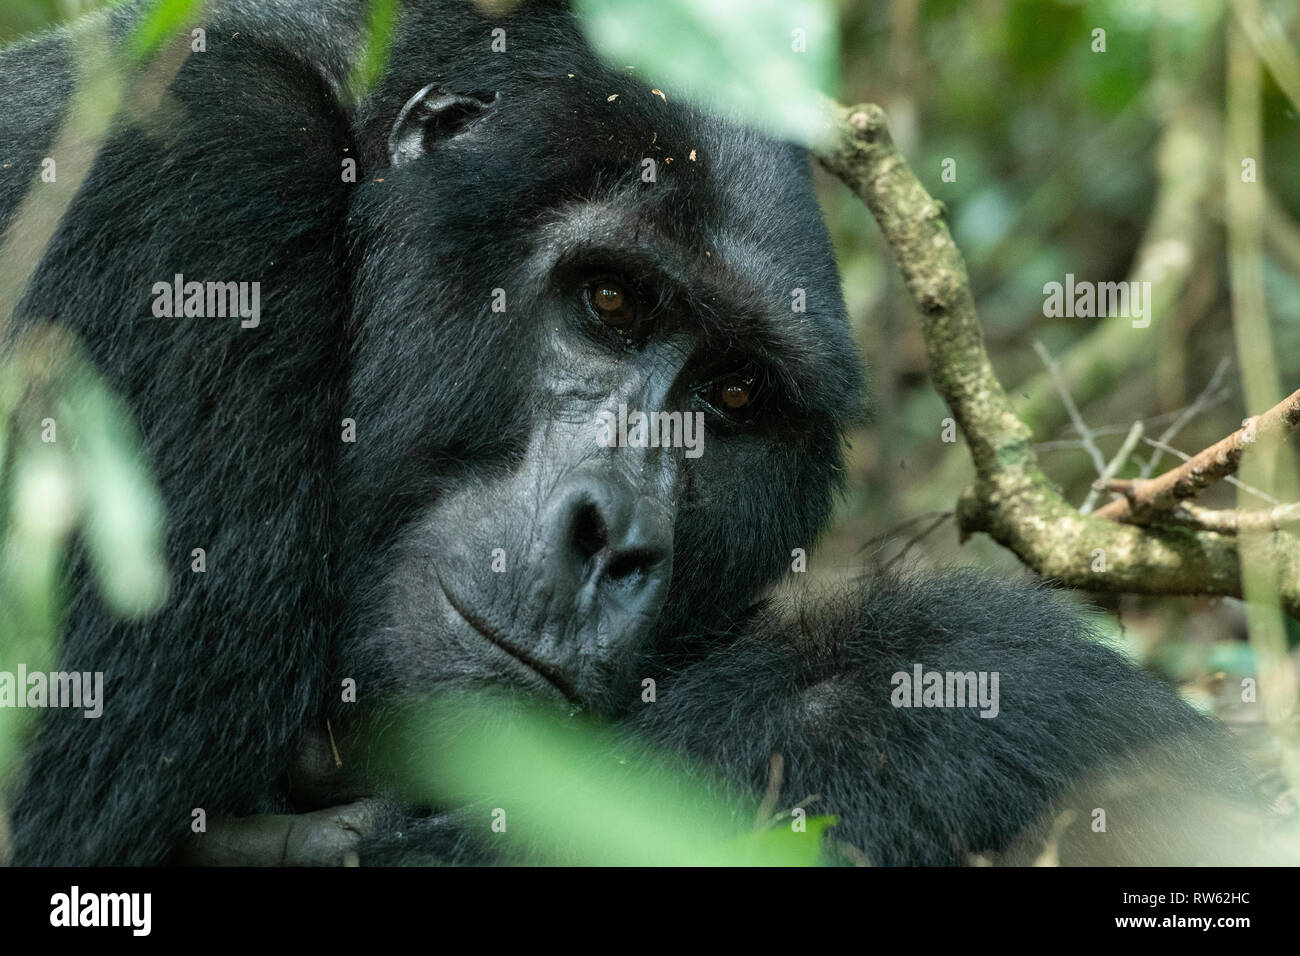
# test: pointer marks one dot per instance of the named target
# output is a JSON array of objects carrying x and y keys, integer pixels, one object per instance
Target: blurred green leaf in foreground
[
  {"x": 567, "y": 791},
  {"x": 762, "y": 62}
]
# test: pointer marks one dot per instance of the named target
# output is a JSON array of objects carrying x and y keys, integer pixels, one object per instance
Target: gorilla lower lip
[{"x": 544, "y": 671}]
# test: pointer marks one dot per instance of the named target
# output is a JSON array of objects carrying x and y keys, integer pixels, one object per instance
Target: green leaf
[
  {"x": 165, "y": 19},
  {"x": 369, "y": 66},
  {"x": 571, "y": 792},
  {"x": 124, "y": 511},
  {"x": 782, "y": 845},
  {"x": 763, "y": 62}
]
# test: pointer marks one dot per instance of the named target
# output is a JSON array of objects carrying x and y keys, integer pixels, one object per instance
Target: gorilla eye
[
  {"x": 734, "y": 396},
  {"x": 734, "y": 393},
  {"x": 612, "y": 304},
  {"x": 607, "y": 297}
]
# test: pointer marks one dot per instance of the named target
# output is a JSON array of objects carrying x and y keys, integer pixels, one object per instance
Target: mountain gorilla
[{"x": 395, "y": 467}]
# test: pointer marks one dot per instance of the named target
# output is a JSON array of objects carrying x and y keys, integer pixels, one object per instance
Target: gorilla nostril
[
  {"x": 589, "y": 533},
  {"x": 608, "y": 536}
]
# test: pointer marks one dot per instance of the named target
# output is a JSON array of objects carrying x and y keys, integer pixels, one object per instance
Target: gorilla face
[{"x": 608, "y": 402}]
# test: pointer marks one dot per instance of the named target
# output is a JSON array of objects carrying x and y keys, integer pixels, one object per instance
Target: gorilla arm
[
  {"x": 1081, "y": 759},
  {"x": 1080, "y": 755}
]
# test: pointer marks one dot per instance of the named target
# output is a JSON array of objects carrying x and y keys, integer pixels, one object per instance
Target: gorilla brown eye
[
  {"x": 607, "y": 297},
  {"x": 734, "y": 393},
  {"x": 734, "y": 397},
  {"x": 613, "y": 304}
]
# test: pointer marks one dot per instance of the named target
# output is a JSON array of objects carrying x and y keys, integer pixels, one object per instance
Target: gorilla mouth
[{"x": 539, "y": 668}]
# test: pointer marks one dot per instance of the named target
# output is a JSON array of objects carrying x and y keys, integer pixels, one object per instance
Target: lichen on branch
[{"x": 1012, "y": 500}]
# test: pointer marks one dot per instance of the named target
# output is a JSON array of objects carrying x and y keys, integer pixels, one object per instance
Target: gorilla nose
[{"x": 615, "y": 551}]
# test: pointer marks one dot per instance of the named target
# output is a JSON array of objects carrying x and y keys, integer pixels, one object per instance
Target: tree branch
[
  {"x": 1237, "y": 522},
  {"x": 1012, "y": 500},
  {"x": 1147, "y": 499}
]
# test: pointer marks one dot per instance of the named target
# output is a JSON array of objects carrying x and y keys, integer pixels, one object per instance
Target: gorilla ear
[{"x": 431, "y": 116}]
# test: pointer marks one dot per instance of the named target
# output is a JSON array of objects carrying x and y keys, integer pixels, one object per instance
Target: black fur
[
  {"x": 1078, "y": 728},
  {"x": 375, "y": 302}
]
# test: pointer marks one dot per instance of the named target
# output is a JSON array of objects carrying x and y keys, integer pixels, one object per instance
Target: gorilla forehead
[
  {"x": 568, "y": 128},
  {"x": 720, "y": 190}
]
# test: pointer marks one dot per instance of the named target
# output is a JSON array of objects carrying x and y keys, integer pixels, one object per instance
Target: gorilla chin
[{"x": 399, "y": 477}]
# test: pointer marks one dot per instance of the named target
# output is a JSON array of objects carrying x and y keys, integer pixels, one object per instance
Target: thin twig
[
  {"x": 886, "y": 536},
  {"x": 1235, "y": 482},
  {"x": 917, "y": 539},
  {"x": 1101, "y": 431},
  {"x": 1233, "y": 521},
  {"x": 1145, "y": 498},
  {"x": 1084, "y": 432},
  {"x": 1191, "y": 411},
  {"x": 1113, "y": 467}
]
